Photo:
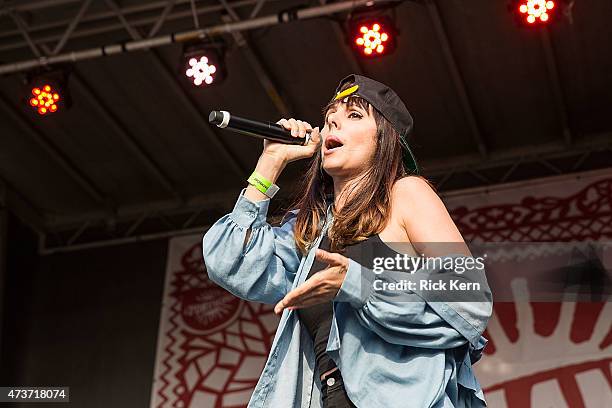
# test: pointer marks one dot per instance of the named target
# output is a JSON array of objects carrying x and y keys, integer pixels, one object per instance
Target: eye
[{"x": 358, "y": 115}]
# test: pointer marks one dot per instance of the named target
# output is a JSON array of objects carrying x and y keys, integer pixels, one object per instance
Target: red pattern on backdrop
[
  {"x": 223, "y": 340},
  {"x": 213, "y": 336},
  {"x": 584, "y": 216}
]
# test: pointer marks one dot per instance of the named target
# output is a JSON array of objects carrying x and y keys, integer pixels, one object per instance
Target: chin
[
  {"x": 337, "y": 171},
  {"x": 332, "y": 171}
]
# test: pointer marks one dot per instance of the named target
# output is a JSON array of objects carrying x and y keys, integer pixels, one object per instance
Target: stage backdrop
[{"x": 212, "y": 346}]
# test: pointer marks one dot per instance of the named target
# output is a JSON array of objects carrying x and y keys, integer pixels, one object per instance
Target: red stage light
[
  {"x": 372, "y": 38},
  {"x": 45, "y": 101},
  {"x": 536, "y": 11},
  {"x": 46, "y": 90}
]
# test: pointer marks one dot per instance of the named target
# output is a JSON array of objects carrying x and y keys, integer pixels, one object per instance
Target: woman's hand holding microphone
[
  {"x": 323, "y": 286},
  {"x": 276, "y": 156},
  {"x": 287, "y": 152}
]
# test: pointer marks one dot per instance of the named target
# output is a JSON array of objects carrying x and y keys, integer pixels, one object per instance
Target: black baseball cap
[{"x": 389, "y": 104}]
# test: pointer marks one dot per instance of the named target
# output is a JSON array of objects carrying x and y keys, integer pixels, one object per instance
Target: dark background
[{"x": 83, "y": 320}]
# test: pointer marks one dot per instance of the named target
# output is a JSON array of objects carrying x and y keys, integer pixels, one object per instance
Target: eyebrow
[
  {"x": 357, "y": 107},
  {"x": 328, "y": 112},
  {"x": 334, "y": 109}
]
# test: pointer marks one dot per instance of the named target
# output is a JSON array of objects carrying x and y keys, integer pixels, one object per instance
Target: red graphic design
[
  {"x": 568, "y": 340},
  {"x": 217, "y": 344},
  {"x": 213, "y": 346},
  {"x": 586, "y": 215},
  {"x": 208, "y": 308}
]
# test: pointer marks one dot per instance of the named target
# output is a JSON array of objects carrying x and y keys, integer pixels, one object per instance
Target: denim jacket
[{"x": 391, "y": 354}]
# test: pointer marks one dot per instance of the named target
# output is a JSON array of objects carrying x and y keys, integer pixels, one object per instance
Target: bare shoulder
[
  {"x": 422, "y": 212},
  {"x": 412, "y": 191}
]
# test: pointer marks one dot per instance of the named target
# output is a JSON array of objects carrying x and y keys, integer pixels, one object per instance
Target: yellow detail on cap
[{"x": 346, "y": 92}]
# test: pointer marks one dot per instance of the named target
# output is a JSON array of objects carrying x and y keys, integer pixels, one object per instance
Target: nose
[{"x": 333, "y": 121}]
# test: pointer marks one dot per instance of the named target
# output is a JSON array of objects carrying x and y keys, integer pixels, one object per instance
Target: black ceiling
[{"x": 492, "y": 102}]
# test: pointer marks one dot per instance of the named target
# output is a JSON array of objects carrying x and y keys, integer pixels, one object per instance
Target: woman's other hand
[{"x": 321, "y": 287}]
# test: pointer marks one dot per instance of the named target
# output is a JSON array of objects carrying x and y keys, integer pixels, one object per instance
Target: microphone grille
[{"x": 215, "y": 117}]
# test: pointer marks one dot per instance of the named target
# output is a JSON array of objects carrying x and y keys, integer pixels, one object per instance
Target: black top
[{"x": 317, "y": 318}]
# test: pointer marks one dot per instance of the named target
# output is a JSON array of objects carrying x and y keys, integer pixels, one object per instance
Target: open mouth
[{"x": 332, "y": 143}]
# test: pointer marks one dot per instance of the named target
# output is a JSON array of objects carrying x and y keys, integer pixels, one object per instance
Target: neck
[{"x": 342, "y": 186}]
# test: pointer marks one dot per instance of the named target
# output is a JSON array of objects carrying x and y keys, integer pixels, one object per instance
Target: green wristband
[{"x": 262, "y": 184}]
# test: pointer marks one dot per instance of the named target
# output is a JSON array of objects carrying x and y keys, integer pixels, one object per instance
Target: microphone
[{"x": 262, "y": 130}]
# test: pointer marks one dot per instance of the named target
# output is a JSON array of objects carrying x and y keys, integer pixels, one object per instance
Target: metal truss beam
[
  {"x": 19, "y": 6},
  {"x": 257, "y": 8},
  {"x": 148, "y": 43},
  {"x": 106, "y": 113},
  {"x": 590, "y": 143},
  {"x": 15, "y": 202},
  {"x": 102, "y": 27},
  {"x": 264, "y": 78},
  {"x": 233, "y": 162},
  {"x": 167, "y": 213},
  {"x": 45, "y": 250},
  {"x": 128, "y": 140},
  {"x": 22, "y": 27},
  {"x": 133, "y": 213},
  {"x": 456, "y": 77},
  {"x": 73, "y": 24},
  {"x": 171, "y": 79},
  {"x": 87, "y": 185},
  {"x": 162, "y": 18},
  {"x": 34, "y": 5},
  {"x": 353, "y": 61},
  {"x": 536, "y": 181},
  {"x": 555, "y": 82},
  {"x": 443, "y": 170}
]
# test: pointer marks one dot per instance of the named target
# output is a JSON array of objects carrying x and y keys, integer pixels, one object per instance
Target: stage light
[
  {"x": 534, "y": 12},
  {"x": 201, "y": 71},
  {"x": 203, "y": 64},
  {"x": 47, "y": 91},
  {"x": 372, "y": 37},
  {"x": 45, "y": 100}
]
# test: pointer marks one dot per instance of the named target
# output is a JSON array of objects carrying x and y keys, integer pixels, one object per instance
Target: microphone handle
[{"x": 262, "y": 130}]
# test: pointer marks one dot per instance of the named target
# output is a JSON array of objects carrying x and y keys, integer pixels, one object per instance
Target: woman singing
[{"x": 340, "y": 341}]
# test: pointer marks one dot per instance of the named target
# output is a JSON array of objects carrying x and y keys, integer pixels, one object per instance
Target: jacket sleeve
[
  {"x": 428, "y": 319},
  {"x": 263, "y": 270}
]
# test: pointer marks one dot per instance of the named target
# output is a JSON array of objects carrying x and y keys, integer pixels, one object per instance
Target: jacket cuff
[
  {"x": 249, "y": 214},
  {"x": 458, "y": 322},
  {"x": 357, "y": 286}
]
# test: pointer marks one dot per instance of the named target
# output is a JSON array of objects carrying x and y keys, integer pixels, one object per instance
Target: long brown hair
[{"x": 367, "y": 206}]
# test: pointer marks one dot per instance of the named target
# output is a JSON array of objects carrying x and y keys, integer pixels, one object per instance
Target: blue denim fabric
[{"x": 391, "y": 354}]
